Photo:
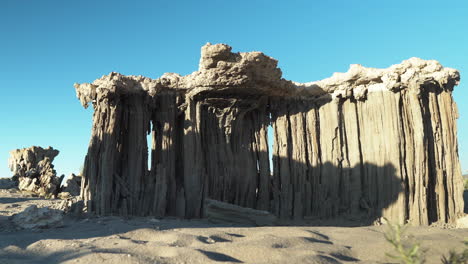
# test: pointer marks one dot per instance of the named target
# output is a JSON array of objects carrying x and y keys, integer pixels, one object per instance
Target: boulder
[
  {"x": 34, "y": 172},
  {"x": 73, "y": 185},
  {"x": 33, "y": 218}
]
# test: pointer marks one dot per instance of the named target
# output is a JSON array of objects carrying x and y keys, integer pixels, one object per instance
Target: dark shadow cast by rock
[
  {"x": 219, "y": 257},
  {"x": 12, "y": 200}
]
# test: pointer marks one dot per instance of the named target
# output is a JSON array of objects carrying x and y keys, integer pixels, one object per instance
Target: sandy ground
[{"x": 147, "y": 240}]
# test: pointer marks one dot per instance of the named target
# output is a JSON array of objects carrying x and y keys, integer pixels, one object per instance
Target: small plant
[
  {"x": 406, "y": 252},
  {"x": 457, "y": 258}
]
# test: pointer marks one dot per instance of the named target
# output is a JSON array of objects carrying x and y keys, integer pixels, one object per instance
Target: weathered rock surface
[
  {"x": 70, "y": 205},
  {"x": 33, "y": 170},
  {"x": 217, "y": 211},
  {"x": 34, "y": 218},
  {"x": 414, "y": 73},
  {"x": 360, "y": 145},
  {"x": 72, "y": 185}
]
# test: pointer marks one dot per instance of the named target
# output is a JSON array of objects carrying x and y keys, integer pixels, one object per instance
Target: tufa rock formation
[
  {"x": 33, "y": 170},
  {"x": 72, "y": 185},
  {"x": 360, "y": 145}
]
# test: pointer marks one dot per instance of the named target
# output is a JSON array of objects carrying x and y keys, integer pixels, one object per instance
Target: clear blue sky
[{"x": 46, "y": 46}]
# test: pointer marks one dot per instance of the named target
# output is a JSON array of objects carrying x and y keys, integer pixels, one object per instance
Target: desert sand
[{"x": 170, "y": 240}]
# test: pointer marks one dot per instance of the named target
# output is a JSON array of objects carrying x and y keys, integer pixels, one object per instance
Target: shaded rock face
[
  {"x": 33, "y": 170},
  {"x": 8, "y": 183},
  {"x": 360, "y": 145}
]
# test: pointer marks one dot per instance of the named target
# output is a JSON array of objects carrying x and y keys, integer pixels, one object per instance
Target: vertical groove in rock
[
  {"x": 134, "y": 151},
  {"x": 403, "y": 157},
  {"x": 314, "y": 162},
  {"x": 281, "y": 159},
  {"x": 449, "y": 189},
  {"x": 331, "y": 159},
  {"x": 261, "y": 123},
  {"x": 353, "y": 165},
  {"x": 194, "y": 174},
  {"x": 163, "y": 161}
]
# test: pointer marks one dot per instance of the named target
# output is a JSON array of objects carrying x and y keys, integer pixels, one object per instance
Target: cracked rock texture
[
  {"x": 33, "y": 170},
  {"x": 72, "y": 185},
  {"x": 33, "y": 218},
  {"x": 359, "y": 146}
]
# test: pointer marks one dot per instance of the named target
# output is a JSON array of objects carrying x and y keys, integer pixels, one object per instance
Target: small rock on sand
[{"x": 33, "y": 218}]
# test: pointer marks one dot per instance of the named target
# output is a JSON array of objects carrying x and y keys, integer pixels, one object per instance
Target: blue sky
[{"x": 46, "y": 46}]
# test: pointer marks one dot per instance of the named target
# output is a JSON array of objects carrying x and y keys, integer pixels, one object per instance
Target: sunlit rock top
[{"x": 255, "y": 73}]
